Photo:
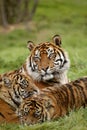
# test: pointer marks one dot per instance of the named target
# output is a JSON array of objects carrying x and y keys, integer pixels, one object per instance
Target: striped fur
[
  {"x": 47, "y": 64},
  {"x": 54, "y": 102},
  {"x": 7, "y": 113},
  {"x": 47, "y": 61},
  {"x": 15, "y": 87}
]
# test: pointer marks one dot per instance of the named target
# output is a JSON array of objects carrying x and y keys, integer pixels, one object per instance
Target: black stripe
[
  {"x": 46, "y": 116},
  {"x": 81, "y": 91},
  {"x": 59, "y": 54},
  {"x": 62, "y": 52},
  {"x": 2, "y": 115},
  {"x": 80, "y": 88},
  {"x": 72, "y": 95},
  {"x": 42, "y": 116},
  {"x": 65, "y": 93},
  {"x": 79, "y": 99},
  {"x": 30, "y": 61},
  {"x": 65, "y": 61},
  {"x": 14, "y": 101},
  {"x": 18, "y": 89},
  {"x": 16, "y": 95}
]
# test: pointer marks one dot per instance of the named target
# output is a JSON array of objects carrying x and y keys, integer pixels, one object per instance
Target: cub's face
[
  {"x": 24, "y": 86},
  {"x": 47, "y": 60},
  {"x": 34, "y": 111},
  {"x": 18, "y": 86}
]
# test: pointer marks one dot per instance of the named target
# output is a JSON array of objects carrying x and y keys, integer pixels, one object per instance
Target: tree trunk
[
  {"x": 16, "y": 11},
  {"x": 33, "y": 9},
  {"x": 4, "y": 21}
]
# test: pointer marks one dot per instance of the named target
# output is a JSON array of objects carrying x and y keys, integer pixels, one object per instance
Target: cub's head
[
  {"x": 35, "y": 110},
  {"x": 47, "y": 60},
  {"x": 25, "y": 85},
  {"x": 19, "y": 86}
]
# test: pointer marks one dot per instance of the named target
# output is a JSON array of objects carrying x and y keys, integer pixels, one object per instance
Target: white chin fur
[
  {"x": 34, "y": 75},
  {"x": 47, "y": 77},
  {"x": 62, "y": 72}
]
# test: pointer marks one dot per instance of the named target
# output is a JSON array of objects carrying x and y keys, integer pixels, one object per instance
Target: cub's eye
[
  {"x": 37, "y": 113},
  {"x": 30, "y": 93},
  {"x": 58, "y": 62},
  {"x": 24, "y": 83},
  {"x": 26, "y": 110}
]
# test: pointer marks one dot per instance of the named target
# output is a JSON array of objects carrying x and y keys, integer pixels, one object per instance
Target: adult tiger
[
  {"x": 48, "y": 62},
  {"x": 15, "y": 87},
  {"x": 53, "y": 102}
]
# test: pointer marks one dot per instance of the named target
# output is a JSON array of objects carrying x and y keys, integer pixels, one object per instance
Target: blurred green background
[{"x": 64, "y": 17}]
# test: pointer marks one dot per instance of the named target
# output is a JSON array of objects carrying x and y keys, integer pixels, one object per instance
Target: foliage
[{"x": 64, "y": 17}]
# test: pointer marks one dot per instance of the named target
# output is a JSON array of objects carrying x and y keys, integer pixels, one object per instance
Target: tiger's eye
[
  {"x": 52, "y": 55},
  {"x": 36, "y": 59}
]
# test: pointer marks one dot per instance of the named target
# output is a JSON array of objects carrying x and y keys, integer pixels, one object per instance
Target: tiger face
[
  {"x": 35, "y": 110},
  {"x": 14, "y": 89},
  {"x": 48, "y": 61},
  {"x": 25, "y": 86}
]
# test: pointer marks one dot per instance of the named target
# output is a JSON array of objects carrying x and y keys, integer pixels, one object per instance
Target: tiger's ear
[
  {"x": 30, "y": 45},
  {"x": 7, "y": 81},
  {"x": 57, "y": 40}
]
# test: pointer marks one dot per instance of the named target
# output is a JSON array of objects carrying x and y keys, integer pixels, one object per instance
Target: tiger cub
[
  {"x": 53, "y": 102},
  {"x": 48, "y": 62},
  {"x": 16, "y": 87}
]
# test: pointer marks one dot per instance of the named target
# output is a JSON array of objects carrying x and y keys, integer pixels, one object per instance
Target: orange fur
[
  {"x": 47, "y": 62},
  {"x": 14, "y": 87},
  {"x": 7, "y": 113},
  {"x": 53, "y": 102}
]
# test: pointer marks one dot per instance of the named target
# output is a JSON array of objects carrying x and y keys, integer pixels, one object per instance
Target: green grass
[
  {"x": 64, "y": 17},
  {"x": 76, "y": 120}
]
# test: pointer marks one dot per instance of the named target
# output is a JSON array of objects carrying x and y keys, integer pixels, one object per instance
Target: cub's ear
[
  {"x": 7, "y": 81},
  {"x": 30, "y": 45},
  {"x": 57, "y": 40}
]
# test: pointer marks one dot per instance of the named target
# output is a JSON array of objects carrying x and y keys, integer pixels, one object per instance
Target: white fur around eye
[
  {"x": 50, "y": 51},
  {"x": 37, "y": 53},
  {"x": 57, "y": 62},
  {"x": 26, "y": 109}
]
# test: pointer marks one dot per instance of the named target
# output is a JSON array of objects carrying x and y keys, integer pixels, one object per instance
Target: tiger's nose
[{"x": 45, "y": 69}]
